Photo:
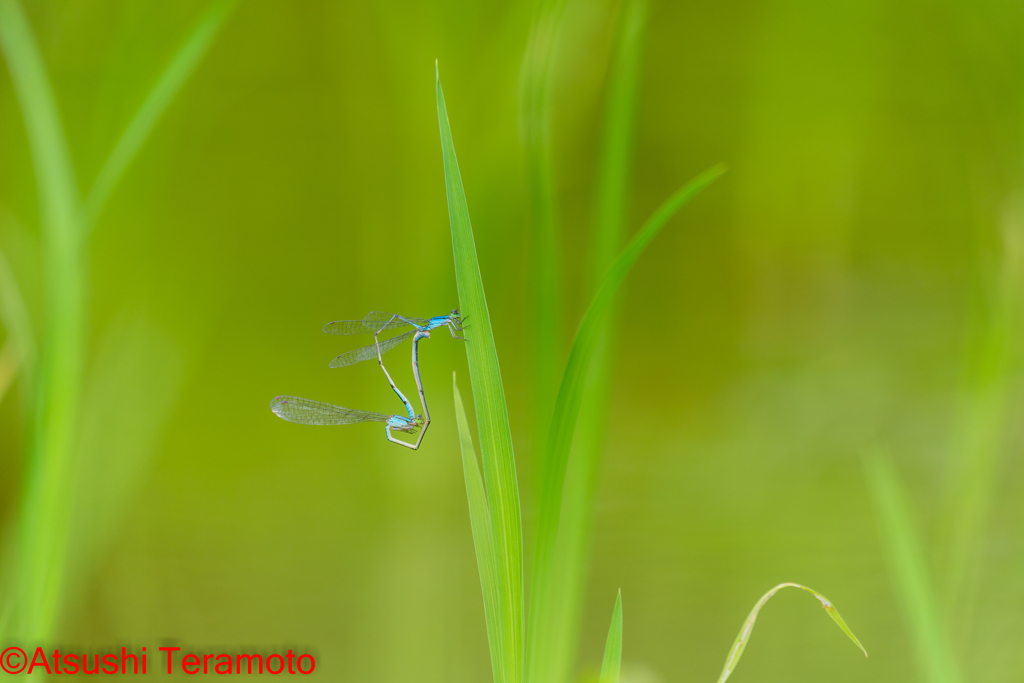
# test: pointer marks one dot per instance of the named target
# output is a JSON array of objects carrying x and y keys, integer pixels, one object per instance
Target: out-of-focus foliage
[{"x": 837, "y": 290}]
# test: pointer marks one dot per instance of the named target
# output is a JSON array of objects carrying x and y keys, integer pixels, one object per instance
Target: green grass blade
[
  {"x": 44, "y": 519},
  {"x": 10, "y": 364},
  {"x": 497, "y": 458},
  {"x": 55, "y": 177},
  {"x": 909, "y": 571},
  {"x": 614, "y": 169},
  {"x": 20, "y": 347},
  {"x": 612, "y": 663},
  {"x": 740, "y": 644},
  {"x": 483, "y": 530},
  {"x": 567, "y": 408},
  {"x": 980, "y": 441},
  {"x": 558, "y": 640},
  {"x": 163, "y": 92},
  {"x": 545, "y": 287}
]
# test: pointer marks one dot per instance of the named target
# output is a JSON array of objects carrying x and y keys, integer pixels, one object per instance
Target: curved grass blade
[
  {"x": 570, "y": 396},
  {"x": 370, "y": 351},
  {"x": 497, "y": 458},
  {"x": 483, "y": 534},
  {"x": 45, "y": 516},
  {"x": 909, "y": 571},
  {"x": 741, "y": 640},
  {"x": 171, "y": 80},
  {"x": 612, "y": 663}
]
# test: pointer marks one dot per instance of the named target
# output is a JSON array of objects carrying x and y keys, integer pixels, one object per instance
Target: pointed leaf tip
[
  {"x": 741, "y": 640},
  {"x": 611, "y": 664}
]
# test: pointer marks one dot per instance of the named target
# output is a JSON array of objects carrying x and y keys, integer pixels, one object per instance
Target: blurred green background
[{"x": 834, "y": 291}]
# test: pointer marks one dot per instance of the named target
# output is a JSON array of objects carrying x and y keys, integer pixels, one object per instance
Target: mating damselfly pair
[{"x": 308, "y": 411}]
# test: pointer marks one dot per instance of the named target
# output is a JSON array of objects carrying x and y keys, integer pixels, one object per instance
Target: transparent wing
[
  {"x": 305, "y": 411},
  {"x": 368, "y": 352},
  {"x": 346, "y": 327},
  {"x": 373, "y": 321}
]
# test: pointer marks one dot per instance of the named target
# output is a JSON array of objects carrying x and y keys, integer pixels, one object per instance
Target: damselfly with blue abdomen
[
  {"x": 307, "y": 411},
  {"x": 377, "y": 322}
]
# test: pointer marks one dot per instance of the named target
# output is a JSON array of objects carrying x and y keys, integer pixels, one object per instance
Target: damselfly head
[{"x": 455, "y": 313}]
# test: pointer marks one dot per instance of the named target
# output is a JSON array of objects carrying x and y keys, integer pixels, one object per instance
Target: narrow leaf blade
[
  {"x": 44, "y": 519},
  {"x": 740, "y": 644},
  {"x": 15, "y": 318},
  {"x": 570, "y": 397},
  {"x": 557, "y": 637},
  {"x": 483, "y": 534},
  {"x": 979, "y": 441},
  {"x": 536, "y": 83},
  {"x": 497, "y": 459},
  {"x": 611, "y": 665},
  {"x": 174, "y": 76},
  {"x": 909, "y": 571}
]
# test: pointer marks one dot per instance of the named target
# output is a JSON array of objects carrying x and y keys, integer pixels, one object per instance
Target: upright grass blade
[
  {"x": 740, "y": 644},
  {"x": 20, "y": 348},
  {"x": 559, "y": 641},
  {"x": 615, "y": 167},
  {"x": 10, "y": 363},
  {"x": 612, "y": 662},
  {"x": 980, "y": 441},
  {"x": 909, "y": 572},
  {"x": 567, "y": 408},
  {"x": 545, "y": 287},
  {"x": 44, "y": 517},
  {"x": 483, "y": 535},
  {"x": 497, "y": 458},
  {"x": 163, "y": 92}
]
